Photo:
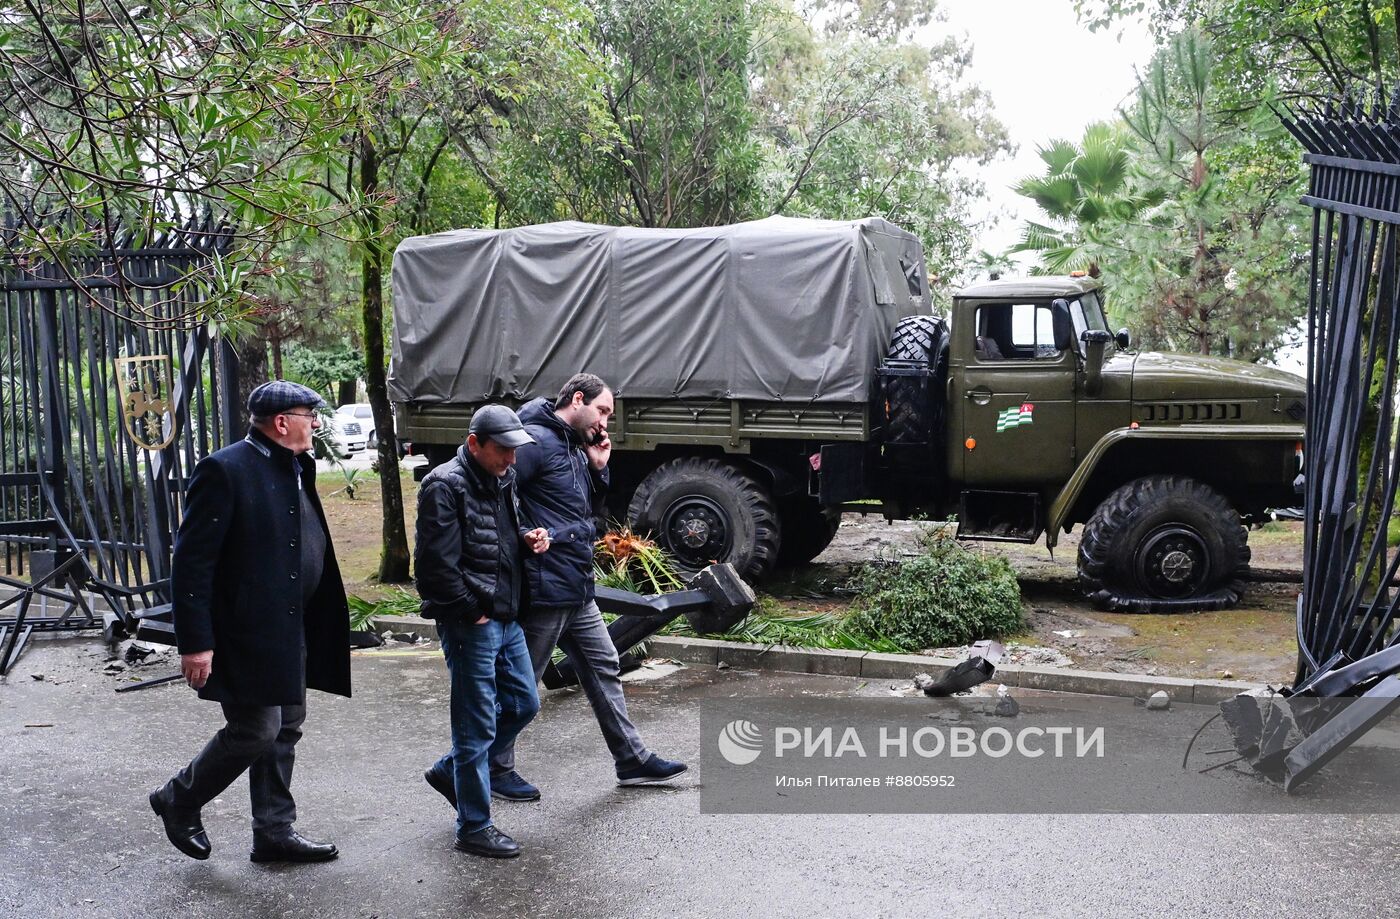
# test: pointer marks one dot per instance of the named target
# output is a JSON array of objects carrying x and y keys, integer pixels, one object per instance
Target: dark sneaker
[
  {"x": 443, "y": 785},
  {"x": 488, "y": 843},
  {"x": 509, "y": 786},
  {"x": 654, "y": 770}
]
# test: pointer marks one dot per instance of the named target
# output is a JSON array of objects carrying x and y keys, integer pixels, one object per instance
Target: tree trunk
[
  {"x": 252, "y": 373},
  {"x": 277, "y": 357},
  {"x": 345, "y": 392},
  {"x": 393, "y": 560}
]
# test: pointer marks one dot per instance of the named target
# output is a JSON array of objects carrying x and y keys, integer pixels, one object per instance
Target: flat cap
[
  {"x": 501, "y": 425},
  {"x": 279, "y": 395}
]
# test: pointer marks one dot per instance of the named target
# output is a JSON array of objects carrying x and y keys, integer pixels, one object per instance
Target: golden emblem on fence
[{"x": 145, "y": 385}]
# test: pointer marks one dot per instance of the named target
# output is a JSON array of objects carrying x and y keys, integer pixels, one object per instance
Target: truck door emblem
[{"x": 1014, "y": 417}]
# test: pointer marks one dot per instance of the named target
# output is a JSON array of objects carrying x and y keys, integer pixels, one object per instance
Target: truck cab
[{"x": 1050, "y": 415}]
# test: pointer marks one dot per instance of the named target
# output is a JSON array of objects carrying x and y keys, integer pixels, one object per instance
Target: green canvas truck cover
[{"x": 780, "y": 309}]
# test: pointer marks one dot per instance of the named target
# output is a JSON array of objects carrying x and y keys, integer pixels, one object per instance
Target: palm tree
[{"x": 1084, "y": 186}]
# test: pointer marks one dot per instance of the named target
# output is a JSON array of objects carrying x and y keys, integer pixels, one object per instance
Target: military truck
[{"x": 771, "y": 374}]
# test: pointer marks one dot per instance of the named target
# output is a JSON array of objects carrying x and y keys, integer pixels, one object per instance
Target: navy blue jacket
[
  {"x": 235, "y": 579},
  {"x": 561, "y": 491}
]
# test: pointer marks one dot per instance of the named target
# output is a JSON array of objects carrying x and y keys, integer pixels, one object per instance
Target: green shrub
[{"x": 947, "y": 595}]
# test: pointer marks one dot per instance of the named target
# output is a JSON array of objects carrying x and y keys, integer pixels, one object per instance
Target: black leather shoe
[
  {"x": 489, "y": 843},
  {"x": 293, "y": 848},
  {"x": 182, "y": 828},
  {"x": 444, "y": 786}
]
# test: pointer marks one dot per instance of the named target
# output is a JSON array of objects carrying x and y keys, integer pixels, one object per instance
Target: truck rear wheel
[
  {"x": 1164, "y": 544},
  {"x": 704, "y": 511},
  {"x": 808, "y": 528}
]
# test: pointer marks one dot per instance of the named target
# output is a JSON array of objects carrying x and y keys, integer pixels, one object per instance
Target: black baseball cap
[{"x": 501, "y": 425}]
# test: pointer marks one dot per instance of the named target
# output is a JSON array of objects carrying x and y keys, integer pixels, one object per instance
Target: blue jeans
[
  {"x": 583, "y": 635},
  {"x": 493, "y": 697}
]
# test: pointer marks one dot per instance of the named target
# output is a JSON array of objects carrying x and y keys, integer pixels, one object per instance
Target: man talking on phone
[{"x": 562, "y": 478}]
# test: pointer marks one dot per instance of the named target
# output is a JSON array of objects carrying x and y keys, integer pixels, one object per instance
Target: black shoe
[
  {"x": 182, "y": 828},
  {"x": 488, "y": 843},
  {"x": 443, "y": 785},
  {"x": 292, "y": 848}
]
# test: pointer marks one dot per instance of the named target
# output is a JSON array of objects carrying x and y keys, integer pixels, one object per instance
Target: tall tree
[
  {"x": 666, "y": 141},
  {"x": 1218, "y": 270},
  {"x": 862, "y": 117},
  {"x": 441, "y": 69},
  {"x": 1303, "y": 48}
]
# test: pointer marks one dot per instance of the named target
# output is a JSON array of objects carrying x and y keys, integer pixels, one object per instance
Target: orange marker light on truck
[{"x": 970, "y": 443}]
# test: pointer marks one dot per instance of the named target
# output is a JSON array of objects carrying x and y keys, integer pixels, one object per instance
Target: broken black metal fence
[
  {"x": 1346, "y": 621},
  {"x": 109, "y": 394}
]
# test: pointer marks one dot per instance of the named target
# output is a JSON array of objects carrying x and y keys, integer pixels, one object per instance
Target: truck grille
[{"x": 1190, "y": 411}]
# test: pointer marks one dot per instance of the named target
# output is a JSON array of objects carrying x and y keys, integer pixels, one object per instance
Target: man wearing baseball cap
[
  {"x": 468, "y": 564},
  {"x": 260, "y": 617}
]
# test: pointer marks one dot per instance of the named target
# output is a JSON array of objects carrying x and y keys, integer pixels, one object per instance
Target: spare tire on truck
[
  {"x": 705, "y": 510},
  {"x": 1164, "y": 544},
  {"x": 915, "y": 408}
]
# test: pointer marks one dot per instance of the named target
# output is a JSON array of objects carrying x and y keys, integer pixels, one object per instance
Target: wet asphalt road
[{"x": 78, "y": 838}]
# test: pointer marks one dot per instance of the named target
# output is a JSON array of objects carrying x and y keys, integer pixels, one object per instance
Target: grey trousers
[
  {"x": 581, "y": 633},
  {"x": 259, "y": 739}
]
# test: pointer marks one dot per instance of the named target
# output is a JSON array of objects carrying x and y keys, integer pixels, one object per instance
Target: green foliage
[
  {"x": 1222, "y": 266},
  {"x": 665, "y": 139},
  {"x": 351, "y": 478},
  {"x": 322, "y": 368},
  {"x": 1189, "y": 209},
  {"x": 818, "y": 630},
  {"x": 1304, "y": 47},
  {"x": 946, "y": 595},
  {"x": 399, "y": 603},
  {"x": 1087, "y": 188},
  {"x": 862, "y": 118}
]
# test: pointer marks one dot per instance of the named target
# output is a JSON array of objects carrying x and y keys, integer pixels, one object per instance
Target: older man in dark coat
[{"x": 260, "y": 616}]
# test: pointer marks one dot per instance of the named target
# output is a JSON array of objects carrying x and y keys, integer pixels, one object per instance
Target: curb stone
[
  {"x": 876, "y": 666},
  {"x": 872, "y": 665}
]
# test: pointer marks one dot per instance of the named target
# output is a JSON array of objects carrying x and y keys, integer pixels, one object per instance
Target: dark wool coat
[{"x": 235, "y": 580}]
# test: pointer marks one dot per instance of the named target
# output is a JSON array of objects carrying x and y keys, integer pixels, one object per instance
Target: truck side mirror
[
  {"x": 1124, "y": 338},
  {"x": 1096, "y": 341},
  {"x": 1062, "y": 325}
]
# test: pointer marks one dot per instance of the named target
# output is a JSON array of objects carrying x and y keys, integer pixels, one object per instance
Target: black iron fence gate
[
  {"x": 110, "y": 391},
  {"x": 1348, "y": 675}
]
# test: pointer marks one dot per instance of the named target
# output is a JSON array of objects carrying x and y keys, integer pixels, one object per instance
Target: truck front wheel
[
  {"x": 703, "y": 511},
  {"x": 1164, "y": 544}
]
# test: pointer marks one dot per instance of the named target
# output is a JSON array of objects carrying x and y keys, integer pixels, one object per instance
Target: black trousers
[{"x": 260, "y": 740}]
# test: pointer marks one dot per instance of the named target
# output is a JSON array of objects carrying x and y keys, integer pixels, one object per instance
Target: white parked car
[{"x": 354, "y": 427}]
